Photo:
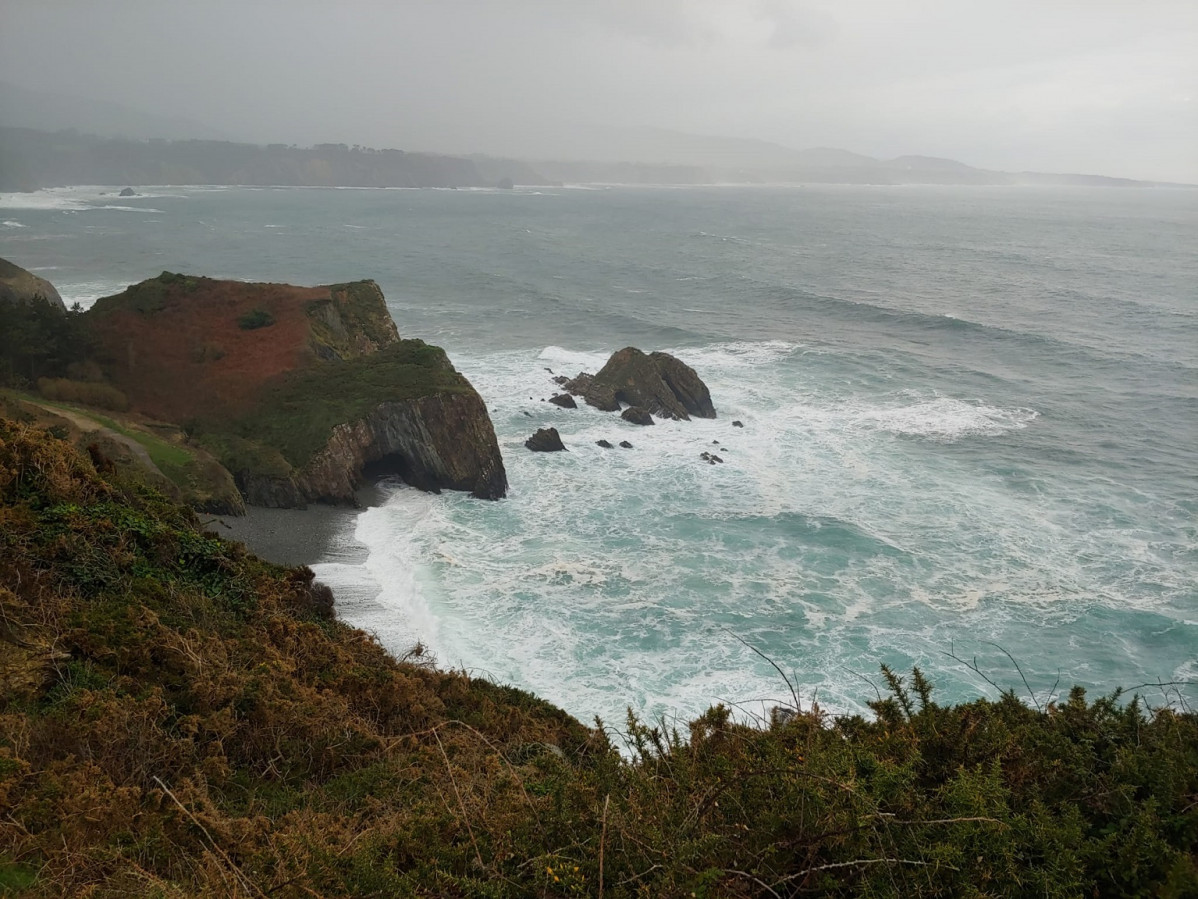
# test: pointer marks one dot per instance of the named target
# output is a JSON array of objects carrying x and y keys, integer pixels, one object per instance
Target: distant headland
[{"x": 35, "y": 159}]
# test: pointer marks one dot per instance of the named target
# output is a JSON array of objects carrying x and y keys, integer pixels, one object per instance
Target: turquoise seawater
[{"x": 970, "y": 427}]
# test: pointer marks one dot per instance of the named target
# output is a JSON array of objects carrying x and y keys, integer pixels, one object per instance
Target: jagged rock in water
[
  {"x": 686, "y": 385},
  {"x": 600, "y": 396},
  {"x": 127, "y": 192},
  {"x": 564, "y": 400},
  {"x": 637, "y": 416},
  {"x": 20, "y": 286},
  {"x": 545, "y": 440},
  {"x": 603, "y": 443},
  {"x": 738, "y": 424},
  {"x": 658, "y": 382},
  {"x": 625, "y": 444}
]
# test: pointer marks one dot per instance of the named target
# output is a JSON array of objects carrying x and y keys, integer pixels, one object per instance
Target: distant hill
[
  {"x": 21, "y": 107},
  {"x": 31, "y": 159},
  {"x": 669, "y": 157}
]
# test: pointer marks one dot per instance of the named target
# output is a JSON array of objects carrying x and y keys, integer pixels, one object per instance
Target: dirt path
[{"x": 91, "y": 426}]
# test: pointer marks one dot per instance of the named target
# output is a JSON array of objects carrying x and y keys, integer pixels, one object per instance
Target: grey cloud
[{"x": 1099, "y": 86}]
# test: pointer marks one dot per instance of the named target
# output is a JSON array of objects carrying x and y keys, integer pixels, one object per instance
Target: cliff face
[
  {"x": 20, "y": 286},
  {"x": 298, "y": 391},
  {"x": 434, "y": 443}
]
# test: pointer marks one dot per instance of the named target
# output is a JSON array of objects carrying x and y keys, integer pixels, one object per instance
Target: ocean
[{"x": 969, "y": 442}]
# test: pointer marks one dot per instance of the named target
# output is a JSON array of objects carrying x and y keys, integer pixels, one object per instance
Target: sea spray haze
[{"x": 969, "y": 423}]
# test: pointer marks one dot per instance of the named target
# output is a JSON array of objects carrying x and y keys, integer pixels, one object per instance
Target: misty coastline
[{"x": 36, "y": 160}]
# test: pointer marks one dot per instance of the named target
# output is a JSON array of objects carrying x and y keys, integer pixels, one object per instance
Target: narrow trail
[{"x": 91, "y": 426}]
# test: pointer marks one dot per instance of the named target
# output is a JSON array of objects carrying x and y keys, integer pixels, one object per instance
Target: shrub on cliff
[
  {"x": 89, "y": 393},
  {"x": 38, "y": 339},
  {"x": 178, "y": 718}
]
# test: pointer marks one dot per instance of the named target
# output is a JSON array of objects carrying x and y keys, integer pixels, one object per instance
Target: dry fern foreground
[{"x": 179, "y": 718}]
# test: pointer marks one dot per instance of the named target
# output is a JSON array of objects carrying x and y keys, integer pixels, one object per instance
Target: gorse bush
[
  {"x": 87, "y": 393},
  {"x": 255, "y": 319},
  {"x": 179, "y": 718}
]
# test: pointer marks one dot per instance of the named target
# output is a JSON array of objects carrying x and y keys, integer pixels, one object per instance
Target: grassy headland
[
  {"x": 253, "y": 376},
  {"x": 179, "y": 718}
]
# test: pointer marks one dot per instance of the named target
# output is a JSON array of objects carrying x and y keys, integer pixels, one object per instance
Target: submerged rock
[
  {"x": 637, "y": 416},
  {"x": 545, "y": 440}
]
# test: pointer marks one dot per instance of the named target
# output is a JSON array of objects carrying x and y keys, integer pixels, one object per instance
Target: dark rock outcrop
[
  {"x": 686, "y": 385},
  {"x": 545, "y": 440},
  {"x": 625, "y": 444},
  {"x": 738, "y": 424},
  {"x": 637, "y": 416},
  {"x": 658, "y": 382},
  {"x": 20, "y": 286},
  {"x": 434, "y": 443},
  {"x": 127, "y": 192},
  {"x": 601, "y": 396},
  {"x": 564, "y": 400},
  {"x": 603, "y": 443}
]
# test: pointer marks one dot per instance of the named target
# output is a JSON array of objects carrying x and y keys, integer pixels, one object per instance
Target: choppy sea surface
[{"x": 970, "y": 427}]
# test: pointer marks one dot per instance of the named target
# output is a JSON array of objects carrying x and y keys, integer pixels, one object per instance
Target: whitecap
[{"x": 943, "y": 418}]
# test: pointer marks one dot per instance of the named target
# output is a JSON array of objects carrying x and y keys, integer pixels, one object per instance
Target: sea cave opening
[{"x": 397, "y": 465}]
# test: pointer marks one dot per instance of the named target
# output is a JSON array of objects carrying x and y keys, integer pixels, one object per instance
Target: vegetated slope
[
  {"x": 295, "y": 389},
  {"x": 185, "y": 348},
  {"x": 178, "y": 718}
]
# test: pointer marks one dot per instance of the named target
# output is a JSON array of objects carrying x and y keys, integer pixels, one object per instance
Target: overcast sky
[{"x": 1050, "y": 85}]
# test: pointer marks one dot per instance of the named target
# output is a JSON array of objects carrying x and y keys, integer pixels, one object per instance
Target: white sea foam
[
  {"x": 70, "y": 199},
  {"x": 13, "y": 224},
  {"x": 942, "y": 418},
  {"x": 633, "y": 568},
  {"x": 85, "y": 293},
  {"x": 55, "y": 198}
]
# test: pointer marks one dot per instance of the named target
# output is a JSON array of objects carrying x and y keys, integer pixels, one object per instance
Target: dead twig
[
  {"x": 249, "y": 886},
  {"x": 602, "y": 841},
  {"x": 461, "y": 805}
]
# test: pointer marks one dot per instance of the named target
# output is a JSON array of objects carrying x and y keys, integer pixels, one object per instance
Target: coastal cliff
[
  {"x": 301, "y": 393},
  {"x": 443, "y": 441}
]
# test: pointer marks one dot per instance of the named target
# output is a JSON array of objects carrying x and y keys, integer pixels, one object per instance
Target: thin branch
[
  {"x": 1030, "y": 691},
  {"x": 761, "y": 883},
  {"x": 858, "y": 863},
  {"x": 250, "y": 887},
  {"x": 461, "y": 805},
  {"x": 602, "y": 841},
  {"x": 790, "y": 685}
]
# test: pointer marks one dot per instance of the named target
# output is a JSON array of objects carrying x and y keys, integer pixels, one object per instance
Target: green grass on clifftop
[
  {"x": 181, "y": 719},
  {"x": 297, "y": 413}
]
